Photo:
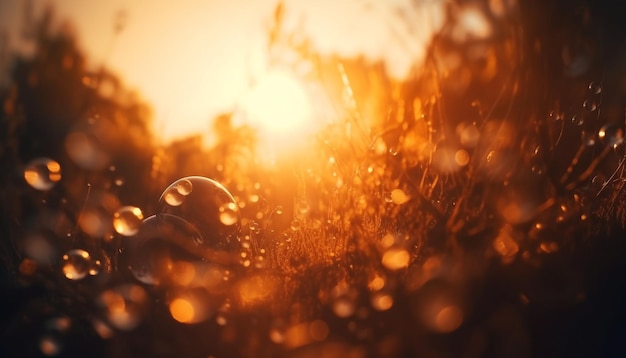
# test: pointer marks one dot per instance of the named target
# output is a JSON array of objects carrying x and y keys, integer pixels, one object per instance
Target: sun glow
[{"x": 279, "y": 108}]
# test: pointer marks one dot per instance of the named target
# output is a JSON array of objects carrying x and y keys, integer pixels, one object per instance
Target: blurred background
[{"x": 296, "y": 179}]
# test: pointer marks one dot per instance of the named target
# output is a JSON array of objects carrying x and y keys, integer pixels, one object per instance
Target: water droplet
[
  {"x": 42, "y": 173},
  {"x": 175, "y": 194},
  {"x": 556, "y": 116},
  {"x": 127, "y": 220},
  {"x": 590, "y": 105},
  {"x": 279, "y": 210},
  {"x": 124, "y": 306},
  {"x": 78, "y": 263},
  {"x": 611, "y": 134},
  {"x": 578, "y": 120},
  {"x": 595, "y": 87},
  {"x": 208, "y": 206}
]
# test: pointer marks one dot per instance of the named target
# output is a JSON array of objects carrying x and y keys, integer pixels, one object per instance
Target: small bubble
[
  {"x": 183, "y": 187},
  {"x": 461, "y": 157},
  {"x": 279, "y": 210},
  {"x": 578, "y": 120},
  {"x": 557, "y": 116},
  {"x": 127, "y": 220},
  {"x": 77, "y": 264},
  {"x": 590, "y": 105},
  {"x": 595, "y": 88},
  {"x": 42, "y": 173},
  {"x": 611, "y": 134}
]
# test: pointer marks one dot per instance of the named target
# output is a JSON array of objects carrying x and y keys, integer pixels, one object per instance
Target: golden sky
[{"x": 192, "y": 59}]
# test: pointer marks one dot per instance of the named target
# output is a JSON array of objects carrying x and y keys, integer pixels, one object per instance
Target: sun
[{"x": 279, "y": 108}]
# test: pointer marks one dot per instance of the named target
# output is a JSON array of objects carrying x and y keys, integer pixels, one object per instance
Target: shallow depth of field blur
[{"x": 312, "y": 179}]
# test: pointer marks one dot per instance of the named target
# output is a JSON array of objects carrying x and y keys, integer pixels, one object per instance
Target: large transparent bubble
[
  {"x": 208, "y": 206},
  {"x": 161, "y": 242}
]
